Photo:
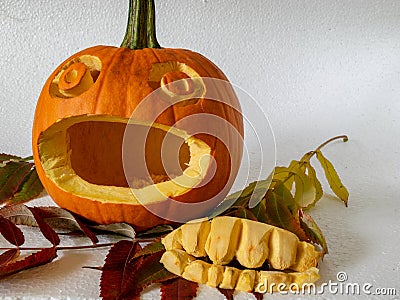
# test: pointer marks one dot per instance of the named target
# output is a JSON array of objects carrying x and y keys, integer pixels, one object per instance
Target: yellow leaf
[
  {"x": 333, "y": 178},
  {"x": 304, "y": 189}
]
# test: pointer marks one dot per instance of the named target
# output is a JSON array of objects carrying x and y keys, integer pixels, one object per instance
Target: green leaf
[
  {"x": 278, "y": 214},
  {"x": 242, "y": 212},
  {"x": 12, "y": 174},
  {"x": 259, "y": 211},
  {"x": 287, "y": 197},
  {"x": 333, "y": 178},
  {"x": 313, "y": 231},
  {"x": 6, "y": 157},
  {"x": 31, "y": 188},
  {"x": 286, "y": 174},
  {"x": 151, "y": 248},
  {"x": 255, "y": 191},
  {"x": 155, "y": 231}
]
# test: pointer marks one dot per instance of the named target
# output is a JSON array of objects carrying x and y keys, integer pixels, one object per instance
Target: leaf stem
[
  {"x": 64, "y": 248},
  {"x": 344, "y": 137},
  {"x": 306, "y": 158}
]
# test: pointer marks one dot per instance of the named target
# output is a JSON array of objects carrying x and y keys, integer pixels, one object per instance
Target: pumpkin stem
[{"x": 141, "y": 28}]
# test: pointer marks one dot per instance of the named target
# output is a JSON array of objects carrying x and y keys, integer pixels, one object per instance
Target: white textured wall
[{"x": 319, "y": 68}]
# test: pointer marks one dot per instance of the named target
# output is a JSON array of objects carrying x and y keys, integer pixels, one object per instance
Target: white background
[{"x": 317, "y": 68}]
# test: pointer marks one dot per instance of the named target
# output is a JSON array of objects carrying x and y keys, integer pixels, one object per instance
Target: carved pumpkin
[{"x": 84, "y": 113}]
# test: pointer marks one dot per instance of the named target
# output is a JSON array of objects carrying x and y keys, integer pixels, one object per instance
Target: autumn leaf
[
  {"x": 19, "y": 215},
  {"x": 313, "y": 231},
  {"x": 178, "y": 289},
  {"x": 12, "y": 175},
  {"x": 312, "y": 175},
  {"x": 279, "y": 215},
  {"x": 333, "y": 178},
  {"x": 117, "y": 269},
  {"x": 45, "y": 228},
  {"x": 30, "y": 188},
  {"x": 7, "y": 157},
  {"x": 305, "y": 191},
  {"x": 117, "y": 228},
  {"x": 124, "y": 277},
  {"x": 8, "y": 256},
  {"x": 39, "y": 258},
  {"x": 149, "y": 271},
  {"x": 227, "y": 293},
  {"x": 11, "y": 232},
  {"x": 154, "y": 247},
  {"x": 60, "y": 218},
  {"x": 155, "y": 232}
]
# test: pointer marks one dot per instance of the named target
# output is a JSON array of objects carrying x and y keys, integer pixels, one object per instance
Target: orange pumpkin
[{"x": 88, "y": 111}]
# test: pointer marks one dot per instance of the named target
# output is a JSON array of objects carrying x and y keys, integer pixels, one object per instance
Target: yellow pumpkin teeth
[
  {"x": 182, "y": 264},
  {"x": 251, "y": 243}
]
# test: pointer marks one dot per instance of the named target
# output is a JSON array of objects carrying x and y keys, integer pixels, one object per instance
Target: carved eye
[
  {"x": 176, "y": 82},
  {"x": 76, "y": 77},
  {"x": 180, "y": 84}
]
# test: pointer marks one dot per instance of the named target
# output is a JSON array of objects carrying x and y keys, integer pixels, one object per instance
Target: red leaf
[
  {"x": 117, "y": 268},
  {"x": 11, "y": 232},
  {"x": 259, "y": 296},
  {"x": 149, "y": 271},
  {"x": 42, "y": 257},
  {"x": 8, "y": 256},
  {"x": 46, "y": 230},
  {"x": 179, "y": 289},
  {"x": 227, "y": 293},
  {"x": 61, "y": 218},
  {"x": 125, "y": 277}
]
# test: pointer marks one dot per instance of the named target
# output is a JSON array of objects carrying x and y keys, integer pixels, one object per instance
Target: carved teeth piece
[
  {"x": 306, "y": 257},
  {"x": 223, "y": 239},
  {"x": 282, "y": 249},
  {"x": 215, "y": 275},
  {"x": 229, "y": 278},
  {"x": 194, "y": 237},
  {"x": 246, "y": 281},
  {"x": 271, "y": 281},
  {"x": 176, "y": 261},
  {"x": 180, "y": 263},
  {"x": 173, "y": 240},
  {"x": 305, "y": 278},
  {"x": 196, "y": 271},
  {"x": 253, "y": 247},
  {"x": 251, "y": 242}
]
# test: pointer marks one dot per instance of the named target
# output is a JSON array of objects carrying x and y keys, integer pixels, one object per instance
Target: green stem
[{"x": 141, "y": 27}]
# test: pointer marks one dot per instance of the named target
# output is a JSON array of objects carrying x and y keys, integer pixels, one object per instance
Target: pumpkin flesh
[{"x": 82, "y": 156}]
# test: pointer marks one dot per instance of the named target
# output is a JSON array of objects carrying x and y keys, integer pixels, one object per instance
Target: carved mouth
[{"x": 88, "y": 156}]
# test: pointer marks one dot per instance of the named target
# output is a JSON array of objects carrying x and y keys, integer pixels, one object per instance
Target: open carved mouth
[{"x": 88, "y": 156}]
